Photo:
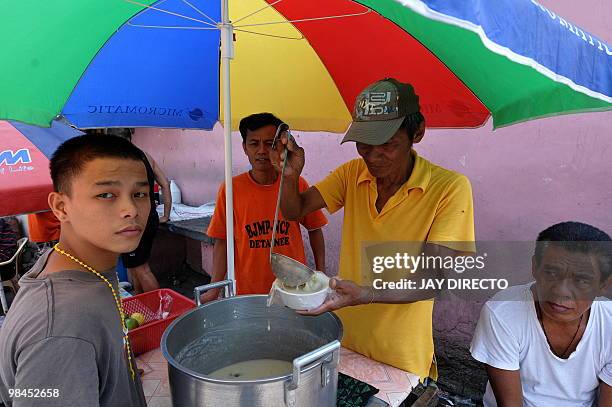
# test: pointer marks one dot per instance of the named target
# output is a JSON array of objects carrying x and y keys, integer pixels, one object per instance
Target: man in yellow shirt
[{"x": 390, "y": 194}]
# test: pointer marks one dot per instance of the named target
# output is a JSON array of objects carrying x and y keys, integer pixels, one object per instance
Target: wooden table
[
  {"x": 192, "y": 228},
  {"x": 179, "y": 242}
]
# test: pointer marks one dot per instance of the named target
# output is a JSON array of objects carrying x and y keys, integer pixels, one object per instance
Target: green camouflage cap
[{"x": 379, "y": 111}]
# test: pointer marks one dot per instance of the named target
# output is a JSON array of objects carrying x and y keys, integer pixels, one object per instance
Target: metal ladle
[{"x": 290, "y": 272}]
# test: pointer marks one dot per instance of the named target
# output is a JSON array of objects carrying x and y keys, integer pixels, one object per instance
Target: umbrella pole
[{"x": 227, "y": 53}]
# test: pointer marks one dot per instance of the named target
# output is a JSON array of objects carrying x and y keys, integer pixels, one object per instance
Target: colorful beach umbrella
[
  {"x": 134, "y": 63},
  {"x": 25, "y": 150}
]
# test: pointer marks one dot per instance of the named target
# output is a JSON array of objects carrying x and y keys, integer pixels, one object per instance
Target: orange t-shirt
[
  {"x": 254, "y": 206},
  {"x": 43, "y": 227}
]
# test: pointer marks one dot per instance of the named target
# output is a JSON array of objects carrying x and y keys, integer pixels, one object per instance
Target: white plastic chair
[{"x": 10, "y": 271}]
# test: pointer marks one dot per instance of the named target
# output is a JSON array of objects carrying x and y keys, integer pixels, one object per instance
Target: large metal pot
[{"x": 243, "y": 328}]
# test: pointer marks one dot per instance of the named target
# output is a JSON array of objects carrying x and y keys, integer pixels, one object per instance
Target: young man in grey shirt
[{"x": 63, "y": 342}]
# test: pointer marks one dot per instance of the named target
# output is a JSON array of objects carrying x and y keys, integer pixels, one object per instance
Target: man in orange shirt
[{"x": 255, "y": 195}]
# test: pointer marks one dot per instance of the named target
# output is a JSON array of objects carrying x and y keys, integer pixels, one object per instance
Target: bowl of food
[{"x": 307, "y": 296}]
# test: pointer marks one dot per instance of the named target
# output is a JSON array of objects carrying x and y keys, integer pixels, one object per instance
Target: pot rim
[{"x": 172, "y": 362}]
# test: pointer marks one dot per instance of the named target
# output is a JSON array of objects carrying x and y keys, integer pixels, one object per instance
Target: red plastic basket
[{"x": 148, "y": 336}]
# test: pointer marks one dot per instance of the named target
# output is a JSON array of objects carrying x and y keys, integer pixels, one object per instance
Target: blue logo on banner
[{"x": 8, "y": 157}]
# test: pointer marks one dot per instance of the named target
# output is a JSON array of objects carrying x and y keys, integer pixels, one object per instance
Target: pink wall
[{"x": 524, "y": 177}]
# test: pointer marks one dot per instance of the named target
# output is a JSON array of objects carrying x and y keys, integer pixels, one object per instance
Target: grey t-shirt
[{"x": 63, "y": 332}]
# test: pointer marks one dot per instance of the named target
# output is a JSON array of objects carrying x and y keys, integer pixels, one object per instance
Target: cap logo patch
[{"x": 375, "y": 104}]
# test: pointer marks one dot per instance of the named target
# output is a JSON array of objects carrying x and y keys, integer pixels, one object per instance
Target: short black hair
[
  {"x": 577, "y": 237},
  {"x": 257, "y": 121},
  {"x": 411, "y": 124},
  {"x": 71, "y": 156}
]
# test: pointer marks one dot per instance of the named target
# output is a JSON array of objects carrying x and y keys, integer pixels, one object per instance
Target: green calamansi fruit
[
  {"x": 138, "y": 317},
  {"x": 131, "y": 323}
]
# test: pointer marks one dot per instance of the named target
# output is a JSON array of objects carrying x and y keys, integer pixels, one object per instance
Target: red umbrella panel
[{"x": 25, "y": 181}]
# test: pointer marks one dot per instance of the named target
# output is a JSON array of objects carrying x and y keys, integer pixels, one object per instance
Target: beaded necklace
[
  {"x": 126, "y": 340},
  {"x": 562, "y": 355}
]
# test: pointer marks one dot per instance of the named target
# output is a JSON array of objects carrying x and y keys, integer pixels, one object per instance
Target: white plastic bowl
[{"x": 304, "y": 301}]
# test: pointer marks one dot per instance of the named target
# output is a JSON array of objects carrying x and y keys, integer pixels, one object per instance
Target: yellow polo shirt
[{"x": 434, "y": 205}]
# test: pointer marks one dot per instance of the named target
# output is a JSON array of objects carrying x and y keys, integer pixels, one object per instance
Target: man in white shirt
[{"x": 549, "y": 343}]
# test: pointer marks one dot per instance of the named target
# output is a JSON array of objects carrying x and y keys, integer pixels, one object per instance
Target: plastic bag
[{"x": 165, "y": 306}]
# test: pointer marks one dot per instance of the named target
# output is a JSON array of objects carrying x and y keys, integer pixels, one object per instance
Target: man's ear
[
  {"x": 57, "y": 203},
  {"x": 419, "y": 133},
  {"x": 244, "y": 146}
]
